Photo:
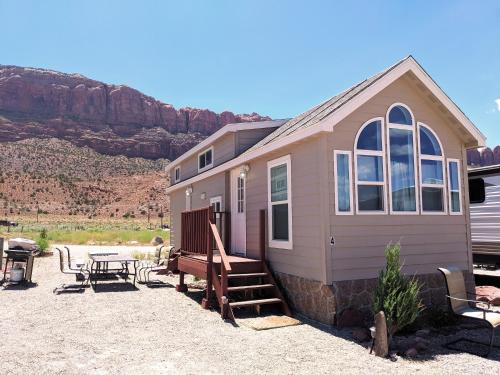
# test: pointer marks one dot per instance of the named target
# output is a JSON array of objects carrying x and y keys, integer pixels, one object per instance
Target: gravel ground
[{"x": 160, "y": 331}]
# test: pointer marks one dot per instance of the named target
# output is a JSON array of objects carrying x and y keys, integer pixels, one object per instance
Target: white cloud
[{"x": 498, "y": 103}]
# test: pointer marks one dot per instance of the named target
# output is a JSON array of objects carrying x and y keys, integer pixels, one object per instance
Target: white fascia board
[{"x": 229, "y": 128}]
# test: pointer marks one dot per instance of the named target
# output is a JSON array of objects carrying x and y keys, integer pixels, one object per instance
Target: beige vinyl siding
[
  {"x": 224, "y": 150},
  {"x": 212, "y": 187},
  {"x": 428, "y": 241},
  {"x": 305, "y": 259},
  {"x": 247, "y": 138},
  {"x": 177, "y": 206}
]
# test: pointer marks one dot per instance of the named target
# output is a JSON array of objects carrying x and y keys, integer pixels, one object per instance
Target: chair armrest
[{"x": 475, "y": 302}]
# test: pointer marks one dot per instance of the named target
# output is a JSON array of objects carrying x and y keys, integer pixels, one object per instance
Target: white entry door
[{"x": 238, "y": 214}]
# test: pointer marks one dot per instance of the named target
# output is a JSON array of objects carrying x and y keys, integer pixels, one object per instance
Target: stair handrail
[{"x": 220, "y": 247}]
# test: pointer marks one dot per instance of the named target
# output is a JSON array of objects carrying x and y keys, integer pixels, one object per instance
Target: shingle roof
[{"x": 321, "y": 111}]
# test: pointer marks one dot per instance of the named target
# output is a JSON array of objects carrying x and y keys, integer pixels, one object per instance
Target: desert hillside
[{"x": 54, "y": 177}]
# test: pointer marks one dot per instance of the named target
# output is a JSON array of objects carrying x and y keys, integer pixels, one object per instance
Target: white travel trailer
[{"x": 484, "y": 185}]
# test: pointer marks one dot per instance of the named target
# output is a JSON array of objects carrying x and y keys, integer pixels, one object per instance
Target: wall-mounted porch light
[
  {"x": 244, "y": 170},
  {"x": 189, "y": 191}
]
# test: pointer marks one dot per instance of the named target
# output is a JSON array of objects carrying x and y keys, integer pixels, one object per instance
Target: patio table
[{"x": 100, "y": 264}]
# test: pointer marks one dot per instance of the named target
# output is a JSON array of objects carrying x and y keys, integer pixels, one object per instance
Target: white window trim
[
  {"x": 280, "y": 244},
  {"x": 351, "y": 200},
  {"x": 448, "y": 161},
  {"x": 415, "y": 166},
  {"x": 208, "y": 166},
  {"x": 384, "y": 169},
  {"x": 175, "y": 174},
  {"x": 431, "y": 157}
]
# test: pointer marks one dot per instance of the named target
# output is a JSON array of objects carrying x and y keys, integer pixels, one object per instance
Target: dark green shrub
[{"x": 396, "y": 294}]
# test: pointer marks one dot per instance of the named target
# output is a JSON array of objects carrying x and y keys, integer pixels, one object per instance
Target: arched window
[
  {"x": 431, "y": 171},
  {"x": 370, "y": 170},
  {"x": 402, "y": 159}
]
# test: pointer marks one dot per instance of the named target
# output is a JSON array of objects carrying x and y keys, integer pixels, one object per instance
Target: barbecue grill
[{"x": 20, "y": 255}]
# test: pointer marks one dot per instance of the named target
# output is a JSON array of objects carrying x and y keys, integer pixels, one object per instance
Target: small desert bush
[
  {"x": 396, "y": 295},
  {"x": 42, "y": 241}
]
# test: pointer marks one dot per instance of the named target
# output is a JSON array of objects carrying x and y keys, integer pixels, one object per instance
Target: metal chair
[
  {"x": 461, "y": 306},
  {"x": 158, "y": 264},
  {"x": 83, "y": 273}
]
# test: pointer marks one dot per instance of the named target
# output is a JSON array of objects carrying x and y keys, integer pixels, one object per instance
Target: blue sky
[{"x": 277, "y": 58}]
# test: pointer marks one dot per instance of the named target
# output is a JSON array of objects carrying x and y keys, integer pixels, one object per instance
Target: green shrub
[{"x": 396, "y": 294}]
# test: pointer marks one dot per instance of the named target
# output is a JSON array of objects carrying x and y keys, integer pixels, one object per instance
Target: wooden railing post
[
  {"x": 208, "y": 220},
  {"x": 262, "y": 234}
]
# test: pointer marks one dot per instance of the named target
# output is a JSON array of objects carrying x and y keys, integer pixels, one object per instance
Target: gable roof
[
  {"x": 328, "y": 107},
  {"x": 325, "y": 116}
]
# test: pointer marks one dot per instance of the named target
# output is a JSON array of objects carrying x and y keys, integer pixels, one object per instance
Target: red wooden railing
[{"x": 199, "y": 236}]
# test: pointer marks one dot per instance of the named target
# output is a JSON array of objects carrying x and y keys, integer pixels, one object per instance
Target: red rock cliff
[{"x": 111, "y": 119}]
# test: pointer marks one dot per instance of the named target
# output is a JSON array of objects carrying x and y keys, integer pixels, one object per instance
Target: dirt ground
[{"x": 125, "y": 330}]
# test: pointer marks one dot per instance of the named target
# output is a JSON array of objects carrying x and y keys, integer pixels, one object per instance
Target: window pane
[
  {"x": 343, "y": 182},
  {"x": 280, "y": 222},
  {"x": 432, "y": 199},
  {"x": 370, "y": 198},
  {"x": 279, "y": 183},
  {"x": 371, "y": 137},
  {"x": 201, "y": 161},
  {"x": 429, "y": 145},
  {"x": 455, "y": 201},
  {"x": 208, "y": 157},
  {"x": 402, "y": 170},
  {"x": 453, "y": 170},
  {"x": 370, "y": 168},
  {"x": 400, "y": 115},
  {"x": 432, "y": 172}
]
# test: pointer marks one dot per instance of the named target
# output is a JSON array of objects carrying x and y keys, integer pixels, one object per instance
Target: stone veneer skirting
[{"x": 323, "y": 302}]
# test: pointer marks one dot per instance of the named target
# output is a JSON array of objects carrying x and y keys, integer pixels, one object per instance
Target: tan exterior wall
[
  {"x": 224, "y": 150},
  {"x": 428, "y": 241},
  {"x": 247, "y": 138},
  {"x": 306, "y": 258}
]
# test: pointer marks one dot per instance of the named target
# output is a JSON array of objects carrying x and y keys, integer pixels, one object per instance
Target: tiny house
[{"x": 319, "y": 196}]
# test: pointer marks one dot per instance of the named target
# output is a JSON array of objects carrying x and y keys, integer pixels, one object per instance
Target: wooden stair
[{"x": 250, "y": 289}]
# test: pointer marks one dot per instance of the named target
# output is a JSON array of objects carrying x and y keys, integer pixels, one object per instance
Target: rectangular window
[
  {"x": 370, "y": 183},
  {"x": 241, "y": 194},
  {"x": 279, "y": 203},
  {"x": 431, "y": 173},
  {"x": 205, "y": 160},
  {"x": 177, "y": 174},
  {"x": 454, "y": 186},
  {"x": 402, "y": 169},
  {"x": 343, "y": 192}
]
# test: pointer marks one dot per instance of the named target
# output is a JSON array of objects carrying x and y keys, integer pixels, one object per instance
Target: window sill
[
  {"x": 276, "y": 244},
  {"x": 205, "y": 168}
]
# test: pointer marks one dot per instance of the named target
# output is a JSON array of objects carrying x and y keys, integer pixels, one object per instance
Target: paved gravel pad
[{"x": 160, "y": 331}]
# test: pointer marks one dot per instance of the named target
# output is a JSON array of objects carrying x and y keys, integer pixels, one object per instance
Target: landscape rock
[
  {"x": 157, "y": 240},
  {"x": 111, "y": 119},
  {"x": 350, "y": 318},
  {"x": 361, "y": 334},
  {"x": 411, "y": 353},
  {"x": 423, "y": 333},
  {"x": 489, "y": 294}
]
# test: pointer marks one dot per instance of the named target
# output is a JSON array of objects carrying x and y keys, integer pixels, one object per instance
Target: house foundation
[{"x": 323, "y": 303}]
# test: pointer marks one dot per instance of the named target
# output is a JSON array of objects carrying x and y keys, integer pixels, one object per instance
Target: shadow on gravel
[{"x": 115, "y": 288}]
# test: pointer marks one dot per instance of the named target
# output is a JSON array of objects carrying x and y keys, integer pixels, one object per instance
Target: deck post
[
  {"x": 181, "y": 287},
  {"x": 262, "y": 234},
  {"x": 205, "y": 303}
]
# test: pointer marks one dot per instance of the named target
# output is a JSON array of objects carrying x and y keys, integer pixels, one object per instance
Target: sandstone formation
[
  {"x": 484, "y": 157},
  {"x": 111, "y": 119}
]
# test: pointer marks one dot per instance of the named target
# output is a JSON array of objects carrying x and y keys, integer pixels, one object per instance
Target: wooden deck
[{"x": 238, "y": 282}]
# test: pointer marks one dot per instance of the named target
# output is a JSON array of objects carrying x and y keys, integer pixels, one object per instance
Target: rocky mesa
[{"x": 111, "y": 119}]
